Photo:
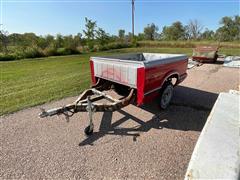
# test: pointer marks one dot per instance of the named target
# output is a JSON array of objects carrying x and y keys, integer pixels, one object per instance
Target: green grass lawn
[{"x": 29, "y": 82}]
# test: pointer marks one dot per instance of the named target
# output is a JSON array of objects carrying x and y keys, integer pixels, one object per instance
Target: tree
[
  {"x": 68, "y": 42},
  {"x": 230, "y": 29},
  {"x": 4, "y": 40},
  {"x": 113, "y": 38},
  {"x": 102, "y": 36},
  {"x": 140, "y": 36},
  {"x": 29, "y": 39},
  {"x": 121, "y": 34},
  {"x": 150, "y": 31},
  {"x": 174, "y": 32},
  {"x": 15, "y": 39},
  {"x": 42, "y": 42},
  {"x": 129, "y": 36},
  {"x": 49, "y": 40},
  {"x": 78, "y": 39},
  {"x": 90, "y": 31},
  {"x": 194, "y": 29},
  {"x": 207, "y": 34},
  {"x": 59, "y": 41}
]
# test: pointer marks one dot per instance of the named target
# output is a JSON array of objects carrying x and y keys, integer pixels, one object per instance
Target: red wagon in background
[{"x": 206, "y": 54}]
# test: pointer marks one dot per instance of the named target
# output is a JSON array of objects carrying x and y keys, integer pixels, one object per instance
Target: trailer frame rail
[{"x": 87, "y": 102}]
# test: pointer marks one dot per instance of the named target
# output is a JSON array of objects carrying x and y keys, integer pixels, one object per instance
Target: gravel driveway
[{"x": 133, "y": 143}]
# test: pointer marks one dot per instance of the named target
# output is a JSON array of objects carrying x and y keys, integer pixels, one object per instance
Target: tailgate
[{"x": 122, "y": 72}]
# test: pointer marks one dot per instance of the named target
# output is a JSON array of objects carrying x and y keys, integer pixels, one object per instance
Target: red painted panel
[
  {"x": 156, "y": 75},
  {"x": 92, "y": 72},
  {"x": 140, "y": 85},
  {"x": 151, "y": 97}
]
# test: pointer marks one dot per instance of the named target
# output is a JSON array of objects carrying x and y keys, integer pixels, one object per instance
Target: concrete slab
[
  {"x": 232, "y": 61},
  {"x": 216, "y": 154}
]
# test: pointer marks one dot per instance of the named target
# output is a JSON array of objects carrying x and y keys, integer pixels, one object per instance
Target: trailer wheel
[
  {"x": 166, "y": 94},
  {"x": 88, "y": 130}
]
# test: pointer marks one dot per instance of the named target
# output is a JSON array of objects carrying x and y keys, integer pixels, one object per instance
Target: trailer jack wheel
[{"x": 88, "y": 130}]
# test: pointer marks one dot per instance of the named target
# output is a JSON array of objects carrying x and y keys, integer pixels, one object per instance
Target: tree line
[
  {"x": 229, "y": 30},
  {"x": 94, "y": 38}
]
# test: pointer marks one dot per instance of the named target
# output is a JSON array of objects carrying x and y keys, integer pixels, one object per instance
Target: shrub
[
  {"x": 95, "y": 48},
  {"x": 50, "y": 51},
  {"x": 85, "y": 49},
  {"x": 66, "y": 51},
  {"x": 7, "y": 57},
  {"x": 63, "y": 51},
  {"x": 90, "y": 45},
  {"x": 32, "y": 53},
  {"x": 18, "y": 54},
  {"x": 80, "y": 49},
  {"x": 134, "y": 43},
  {"x": 185, "y": 44},
  {"x": 74, "y": 51},
  {"x": 115, "y": 45}
]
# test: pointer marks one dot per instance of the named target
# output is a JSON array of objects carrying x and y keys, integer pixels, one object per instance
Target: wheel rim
[{"x": 166, "y": 96}]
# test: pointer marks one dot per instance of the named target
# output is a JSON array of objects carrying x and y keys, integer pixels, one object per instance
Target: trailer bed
[{"x": 145, "y": 72}]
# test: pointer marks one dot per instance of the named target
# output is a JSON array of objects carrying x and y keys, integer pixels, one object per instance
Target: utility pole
[{"x": 133, "y": 18}]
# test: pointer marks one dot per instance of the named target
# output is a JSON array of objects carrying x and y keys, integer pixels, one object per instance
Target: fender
[{"x": 169, "y": 74}]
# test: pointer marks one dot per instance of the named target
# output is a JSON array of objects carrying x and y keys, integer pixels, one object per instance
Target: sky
[{"x": 67, "y": 16}]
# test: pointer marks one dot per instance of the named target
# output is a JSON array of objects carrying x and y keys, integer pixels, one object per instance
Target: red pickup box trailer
[
  {"x": 145, "y": 72},
  {"x": 138, "y": 77}
]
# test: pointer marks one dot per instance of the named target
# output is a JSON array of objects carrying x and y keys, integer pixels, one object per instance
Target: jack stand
[{"x": 90, "y": 109}]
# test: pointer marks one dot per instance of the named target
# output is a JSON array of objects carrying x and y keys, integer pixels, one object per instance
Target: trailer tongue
[
  {"x": 139, "y": 78},
  {"x": 86, "y": 102}
]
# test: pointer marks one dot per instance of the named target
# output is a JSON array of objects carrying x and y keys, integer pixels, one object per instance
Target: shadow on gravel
[
  {"x": 221, "y": 62},
  {"x": 218, "y": 62},
  {"x": 188, "y": 111}
]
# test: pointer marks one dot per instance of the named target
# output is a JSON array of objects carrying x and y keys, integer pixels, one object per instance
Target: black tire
[
  {"x": 88, "y": 131},
  {"x": 166, "y": 94}
]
